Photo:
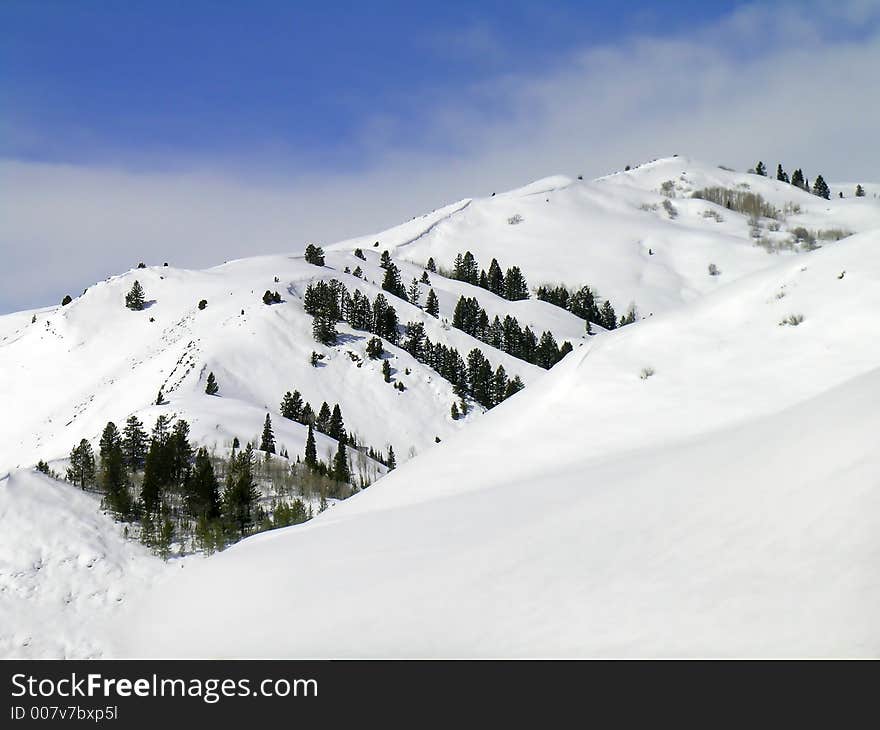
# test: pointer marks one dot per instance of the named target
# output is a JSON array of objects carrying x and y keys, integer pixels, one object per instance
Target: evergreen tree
[
  {"x": 413, "y": 292},
  {"x": 454, "y": 412},
  {"x": 82, "y": 465},
  {"x": 134, "y": 443},
  {"x": 425, "y": 279},
  {"x": 386, "y": 371},
  {"x": 311, "y": 459},
  {"x": 212, "y": 388},
  {"x": 267, "y": 440},
  {"x": 432, "y": 306},
  {"x": 341, "y": 472},
  {"x": 291, "y": 405},
  {"x": 515, "y": 286},
  {"x": 336, "y": 427},
  {"x": 135, "y": 298},
  {"x": 67, "y": 300},
  {"x": 797, "y": 179},
  {"x": 240, "y": 496},
  {"x": 179, "y": 453},
  {"x": 391, "y": 461},
  {"x": 547, "y": 353},
  {"x": 607, "y": 317},
  {"x": 324, "y": 330},
  {"x": 392, "y": 283},
  {"x": 360, "y": 254},
  {"x": 112, "y": 475},
  {"x": 385, "y": 259},
  {"x": 431, "y": 266},
  {"x": 860, "y": 191},
  {"x": 760, "y": 169},
  {"x": 307, "y": 417},
  {"x": 496, "y": 279},
  {"x": 314, "y": 255},
  {"x": 202, "y": 488},
  {"x": 781, "y": 175},
  {"x": 160, "y": 398},
  {"x": 513, "y": 386},
  {"x": 322, "y": 423},
  {"x": 820, "y": 188},
  {"x": 374, "y": 348}
]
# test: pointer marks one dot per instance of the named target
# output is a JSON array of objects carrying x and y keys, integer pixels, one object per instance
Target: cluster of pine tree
[
  {"x": 174, "y": 490},
  {"x": 330, "y": 423},
  {"x": 508, "y": 336},
  {"x": 510, "y": 285},
  {"x": 330, "y": 302},
  {"x": 582, "y": 303},
  {"x": 820, "y": 187}
]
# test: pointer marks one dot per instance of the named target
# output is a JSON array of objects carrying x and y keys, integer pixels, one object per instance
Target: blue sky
[
  {"x": 197, "y": 131},
  {"x": 149, "y": 83}
]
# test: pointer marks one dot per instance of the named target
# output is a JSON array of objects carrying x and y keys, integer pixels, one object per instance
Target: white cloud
[{"x": 771, "y": 83}]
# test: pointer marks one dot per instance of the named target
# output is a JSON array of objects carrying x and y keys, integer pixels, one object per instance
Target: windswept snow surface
[{"x": 728, "y": 504}]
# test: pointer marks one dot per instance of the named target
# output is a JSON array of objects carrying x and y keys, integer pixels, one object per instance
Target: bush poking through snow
[
  {"x": 792, "y": 320},
  {"x": 714, "y": 270},
  {"x": 646, "y": 373},
  {"x": 670, "y": 209},
  {"x": 515, "y": 219}
]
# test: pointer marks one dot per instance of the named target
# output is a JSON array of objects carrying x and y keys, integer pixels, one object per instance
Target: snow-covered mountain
[{"x": 699, "y": 482}]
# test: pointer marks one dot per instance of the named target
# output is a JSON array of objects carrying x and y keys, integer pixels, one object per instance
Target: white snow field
[
  {"x": 728, "y": 504},
  {"x": 65, "y": 569},
  {"x": 703, "y": 482}
]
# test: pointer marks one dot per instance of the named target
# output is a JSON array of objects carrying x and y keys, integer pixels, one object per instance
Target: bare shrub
[{"x": 738, "y": 200}]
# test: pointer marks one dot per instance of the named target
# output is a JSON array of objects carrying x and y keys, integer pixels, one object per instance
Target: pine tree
[
  {"x": 160, "y": 398},
  {"x": 515, "y": 286},
  {"x": 314, "y": 255},
  {"x": 431, "y": 266},
  {"x": 425, "y": 279},
  {"x": 135, "y": 298},
  {"x": 240, "y": 496},
  {"x": 797, "y": 179},
  {"x": 336, "y": 427},
  {"x": 860, "y": 191},
  {"x": 820, "y": 188},
  {"x": 341, "y": 472},
  {"x": 212, "y": 388},
  {"x": 291, "y": 405},
  {"x": 82, "y": 465},
  {"x": 391, "y": 461},
  {"x": 324, "y": 330},
  {"x": 322, "y": 423},
  {"x": 413, "y": 292},
  {"x": 760, "y": 169},
  {"x": 432, "y": 306},
  {"x": 267, "y": 440},
  {"x": 374, "y": 348},
  {"x": 360, "y": 254},
  {"x": 134, "y": 443},
  {"x": 112, "y": 475},
  {"x": 607, "y": 317},
  {"x": 781, "y": 175},
  {"x": 311, "y": 459},
  {"x": 67, "y": 300},
  {"x": 496, "y": 279},
  {"x": 202, "y": 488},
  {"x": 307, "y": 416},
  {"x": 385, "y": 259},
  {"x": 454, "y": 412},
  {"x": 386, "y": 371},
  {"x": 392, "y": 283}
]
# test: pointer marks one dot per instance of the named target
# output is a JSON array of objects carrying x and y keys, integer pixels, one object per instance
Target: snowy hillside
[
  {"x": 65, "y": 569},
  {"x": 727, "y": 504},
  {"x": 697, "y": 482}
]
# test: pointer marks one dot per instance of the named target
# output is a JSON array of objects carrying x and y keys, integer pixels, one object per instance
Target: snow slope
[
  {"x": 729, "y": 504},
  {"x": 613, "y": 233},
  {"x": 65, "y": 569}
]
